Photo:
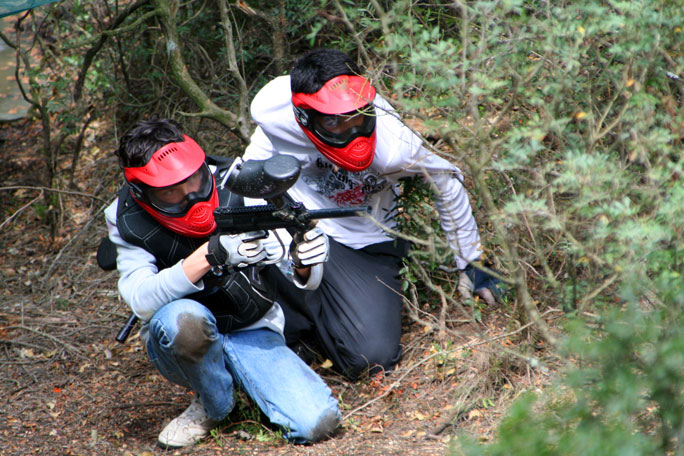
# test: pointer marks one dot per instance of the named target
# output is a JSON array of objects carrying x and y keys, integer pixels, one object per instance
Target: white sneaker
[{"x": 187, "y": 428}]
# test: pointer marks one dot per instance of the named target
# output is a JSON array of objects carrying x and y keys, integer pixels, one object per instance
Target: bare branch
[
  {"x": 360, "y": 44},
  {"x": 51, "y": 189},
  {"x": 167, "y": 16},
  {"x": 51, "y": 337},
  {"x": 92, "y": 52},
  {"x": 20, "y": 210},
  {"x": 277, "y": 24},
  {"x": 243, "y": 118}
]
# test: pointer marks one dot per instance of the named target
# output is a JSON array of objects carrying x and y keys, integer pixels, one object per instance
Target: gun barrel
[
  {"x": 337, "y": 213},
  {"x": 236, "y": 220}
]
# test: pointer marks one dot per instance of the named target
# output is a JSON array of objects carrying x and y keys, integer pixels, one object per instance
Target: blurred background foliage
[{"x": 566, "y": 118}]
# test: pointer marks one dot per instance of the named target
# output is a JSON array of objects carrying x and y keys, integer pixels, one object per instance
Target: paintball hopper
[{"x": 268, "y": 179}]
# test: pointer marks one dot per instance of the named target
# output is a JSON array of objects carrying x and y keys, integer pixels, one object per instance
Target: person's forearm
[{"x": 196, "y": 265}]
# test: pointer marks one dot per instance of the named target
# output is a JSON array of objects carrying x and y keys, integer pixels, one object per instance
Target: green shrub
[{"x": 568, "y": 117}]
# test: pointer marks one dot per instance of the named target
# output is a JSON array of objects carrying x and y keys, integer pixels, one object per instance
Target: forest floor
[{"x": 70, "y": 389}]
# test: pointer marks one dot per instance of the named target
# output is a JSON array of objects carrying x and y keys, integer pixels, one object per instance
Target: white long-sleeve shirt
[{"x": 398, "y": 153}]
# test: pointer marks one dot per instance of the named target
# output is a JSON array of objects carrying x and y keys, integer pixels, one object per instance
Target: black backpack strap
[{"x": 106, "y": 254}]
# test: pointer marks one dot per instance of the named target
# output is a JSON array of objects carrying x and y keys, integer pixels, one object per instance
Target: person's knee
[
  {"x": 195, "y": 336},
  {"x": 322, "y": 428},
  {"x": 374, "y": 358},
  {"x": 185, "y": 327}
]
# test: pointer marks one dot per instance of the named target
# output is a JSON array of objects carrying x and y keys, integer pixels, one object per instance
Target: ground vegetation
[{"x": 567, "y": 120}]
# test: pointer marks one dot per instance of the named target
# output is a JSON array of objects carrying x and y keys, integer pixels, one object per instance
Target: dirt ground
[{"x": 68, "y": 388}]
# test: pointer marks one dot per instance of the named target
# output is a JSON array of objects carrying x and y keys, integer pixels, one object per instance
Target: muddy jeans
[{"x": 186, "y": 348}]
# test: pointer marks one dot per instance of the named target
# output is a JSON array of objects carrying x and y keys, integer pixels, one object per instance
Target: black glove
[
  {"x": 473, "y": 280},
  {"x": 236, "y": 250}
]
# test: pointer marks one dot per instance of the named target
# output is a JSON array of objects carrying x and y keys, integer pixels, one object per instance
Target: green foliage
[
  {"x": 566, "y": 117},
  {"x": 569, "y": 121},
  {"x": 417, "y": 219},
  {"x": 248, "y": 420}
]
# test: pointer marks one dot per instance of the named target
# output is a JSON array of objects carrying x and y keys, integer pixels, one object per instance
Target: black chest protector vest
[{"x": 237, "y": 299}]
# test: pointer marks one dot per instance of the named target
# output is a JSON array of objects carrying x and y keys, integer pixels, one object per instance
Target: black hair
[
  {"x": 146, "y": 137},
  {"x": 311, "y": 71}
]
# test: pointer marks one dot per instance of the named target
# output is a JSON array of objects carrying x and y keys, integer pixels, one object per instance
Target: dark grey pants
[{"x": 355, "y": 314}]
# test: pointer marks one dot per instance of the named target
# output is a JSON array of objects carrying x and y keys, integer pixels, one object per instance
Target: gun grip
[{"x": 126, "y": 329}]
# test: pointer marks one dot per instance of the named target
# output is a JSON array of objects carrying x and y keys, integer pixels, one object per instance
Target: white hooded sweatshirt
[{"x": 398, "y": 153}]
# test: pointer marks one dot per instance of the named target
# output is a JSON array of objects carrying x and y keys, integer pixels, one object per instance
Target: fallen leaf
[
  {"x": 474, "y": 414},
  {"x": 419, "y": 416}
]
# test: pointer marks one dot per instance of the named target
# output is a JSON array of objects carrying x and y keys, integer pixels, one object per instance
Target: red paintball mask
[
  {"x": 340, "y": 120},
  {"x": 177, "y": 188}
]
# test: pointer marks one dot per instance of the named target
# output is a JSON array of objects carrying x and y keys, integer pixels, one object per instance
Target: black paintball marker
[{"x": 269, "y": 180}]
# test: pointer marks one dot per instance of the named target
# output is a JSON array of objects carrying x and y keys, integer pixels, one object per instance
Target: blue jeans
[{"x": 186, "y": 348}]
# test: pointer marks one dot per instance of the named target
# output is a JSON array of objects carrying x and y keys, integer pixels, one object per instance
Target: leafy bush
[
  {"x": 568, "y": 118},
  {"x": 565, "y": 116}
]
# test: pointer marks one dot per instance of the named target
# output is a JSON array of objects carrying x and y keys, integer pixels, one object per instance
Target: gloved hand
[
  {"x": 236, "y": 250},
  {"x": 309, "y": 249},
  {"x": 472, "y": 280},
  {"x": 275, "y": 244}
]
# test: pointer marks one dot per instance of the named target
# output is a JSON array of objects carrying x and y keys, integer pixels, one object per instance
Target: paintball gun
[{"x": 269, "y": 180}]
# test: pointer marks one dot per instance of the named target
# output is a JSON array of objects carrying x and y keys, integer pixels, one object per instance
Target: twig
[
  {"x": 392, "y": 386},
  {"x": 243, "y": 117},
  {"x": 53, "y": 190},
  {"x": 16, "y": 382},
  {"x": 92, "y": 52},
  {"x": 277, "y": 24},
  {"x": 76, "y": 153},
  {"x": 71, "y": 241},
  {"x": 533, "y": 362},
  {"x": 48, "y": 336},
  {"x": 455, "y": 415},
  {"x": 457, "y": 412},
  {"x": 359, "y": 44},
  {"x": 20, "y": 210},
  {"x": 597, "y": 291},
  {"x": 143, "y": 404},
  {"x": 524, "y": 215},
  {"x": 23, "y": 344}
]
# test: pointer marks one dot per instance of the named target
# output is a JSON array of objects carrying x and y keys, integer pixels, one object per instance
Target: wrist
[
  {"x": 196, "y": 265},
  {"x": 303, "y": 272},
  {"x": 215, "y": 254}
]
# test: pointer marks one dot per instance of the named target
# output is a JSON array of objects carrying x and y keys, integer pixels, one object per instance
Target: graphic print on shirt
[{"x": 344, "y": 188}]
